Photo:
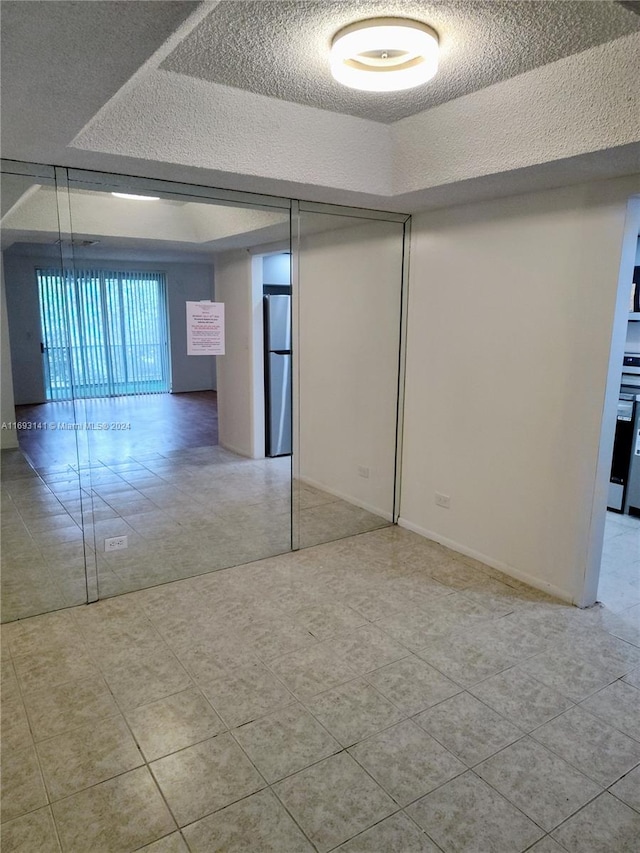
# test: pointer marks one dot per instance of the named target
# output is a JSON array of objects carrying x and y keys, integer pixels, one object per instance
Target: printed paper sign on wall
[{"x": 205, "y": 328}]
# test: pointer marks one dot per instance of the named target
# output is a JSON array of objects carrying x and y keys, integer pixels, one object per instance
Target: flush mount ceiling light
[
  {"x": 137, "y": 197},
  {"x": 384, "y": 54}
]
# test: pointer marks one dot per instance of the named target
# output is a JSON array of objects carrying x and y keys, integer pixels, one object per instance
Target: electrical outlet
[
  {"x": 363, "y": 471},
  {"x": 116, "y": 543},
  {"x": 443, "y": 500}
]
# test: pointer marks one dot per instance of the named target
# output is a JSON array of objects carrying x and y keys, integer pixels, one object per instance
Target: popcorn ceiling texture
[
  {"x": 68, "y": 98},
  {"x": 280, "y": 49},
  {"x": 172, "y": 118},
  {"x": 61, "y": 61},
  {"x": 583, "y": 104}
]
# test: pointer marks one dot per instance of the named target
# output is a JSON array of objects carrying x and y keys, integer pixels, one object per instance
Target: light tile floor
[
  {"x": 619, "y": 586},
  {"x": 189, "y": 512},
  {"x": 184, "y": 512},
  {"x": 284, "y": 706}
]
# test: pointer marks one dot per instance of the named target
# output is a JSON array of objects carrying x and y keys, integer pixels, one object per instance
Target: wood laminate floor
[{"x": 113, "y": 428}]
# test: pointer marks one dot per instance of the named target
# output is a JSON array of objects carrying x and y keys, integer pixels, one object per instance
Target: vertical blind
[{"x": 105, "y": 333}]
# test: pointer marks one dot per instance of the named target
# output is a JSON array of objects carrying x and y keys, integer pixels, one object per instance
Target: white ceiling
[
  {"x": 165, "y": 229},
  {"x": 279, "y": 48},
  {"x": 61, "y": 61},
  {"x": 531, "y": 95}
]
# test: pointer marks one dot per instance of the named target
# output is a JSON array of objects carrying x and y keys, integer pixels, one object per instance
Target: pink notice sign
[{"x": 205, "y": 328}]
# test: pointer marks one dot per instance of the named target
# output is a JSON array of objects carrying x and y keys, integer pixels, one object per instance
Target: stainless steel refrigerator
[{"x": 277, "y": 336}]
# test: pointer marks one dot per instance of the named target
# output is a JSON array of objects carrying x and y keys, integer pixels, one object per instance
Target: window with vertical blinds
[{"x": 105, "y": 333}]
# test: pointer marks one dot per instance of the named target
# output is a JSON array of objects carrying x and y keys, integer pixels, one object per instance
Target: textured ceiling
[
  {"x": 180, "y": 229},
  {"x": 62, "y": 60},
  {"x": 82, "y": 87},
  {"x": 280, "y": 49}
]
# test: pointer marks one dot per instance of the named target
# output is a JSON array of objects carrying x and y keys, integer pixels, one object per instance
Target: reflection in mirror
[
  {"x": 178, "y": 473},
  {"x": 348, "y": 332},
  {"x": 169, "y": 447},
  {"x": 43, "y": 552},
  {"x": 148, "y": 463}
]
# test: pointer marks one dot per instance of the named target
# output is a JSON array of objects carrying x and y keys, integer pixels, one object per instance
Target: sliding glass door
[{"x": 104, "y": 332}]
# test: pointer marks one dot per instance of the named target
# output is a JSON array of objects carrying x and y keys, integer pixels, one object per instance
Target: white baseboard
[
  {"x": 530, "y": 580},
  {"x": 388, "y": 516}
]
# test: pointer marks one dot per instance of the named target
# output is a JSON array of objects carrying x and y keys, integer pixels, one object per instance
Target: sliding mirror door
[
  {"x": 170, "y": 362},
  {"x": 46, "y": 563},
  {"x": 170, "y": 357},
  {"x": 348, "y": 316}
]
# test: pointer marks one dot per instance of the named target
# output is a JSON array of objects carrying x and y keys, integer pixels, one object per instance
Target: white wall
[
  {"x": 349, "y": 319},
  {"x": 511, "y": 311},
  {"x": 276, "y": 269},
  {"x": 238, "y": 428},
  {"x": 348, "y": 315},
  {"x": 185, "y": 281},
  {"x": 8, "y": 437}
]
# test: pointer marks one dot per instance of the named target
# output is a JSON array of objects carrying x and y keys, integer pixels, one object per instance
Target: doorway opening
[
  {"x": 612, "y": 575},
  {"x": 619, "y": 582}
]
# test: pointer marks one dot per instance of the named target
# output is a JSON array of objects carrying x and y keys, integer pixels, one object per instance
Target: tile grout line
[{"x": 49, "y": 804}]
